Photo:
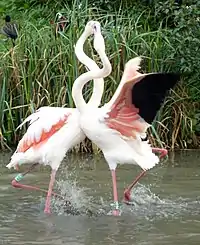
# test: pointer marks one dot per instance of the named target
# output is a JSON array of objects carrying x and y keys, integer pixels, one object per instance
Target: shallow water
[{"x": 166, "y": 206}]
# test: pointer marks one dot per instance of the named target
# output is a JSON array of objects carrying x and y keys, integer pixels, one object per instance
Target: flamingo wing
[
  {"x": 138, "y": 100},
  {"x": 149, "y": 93},
  {"x": 43, "y": 123}
]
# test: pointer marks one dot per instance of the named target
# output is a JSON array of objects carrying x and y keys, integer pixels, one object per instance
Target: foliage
[{"x": 41, "y": 69}]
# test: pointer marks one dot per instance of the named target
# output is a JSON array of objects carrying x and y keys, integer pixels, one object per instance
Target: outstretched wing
[
  {"x": 138, "y": 100},
  {"x": 43, "y": 123}
]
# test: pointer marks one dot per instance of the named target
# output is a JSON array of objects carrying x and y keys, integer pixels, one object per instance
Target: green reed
[{"x": 40, "y": 70}]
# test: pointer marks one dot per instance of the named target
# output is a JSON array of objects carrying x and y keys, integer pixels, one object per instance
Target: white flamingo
[
  {"x": 119, "y": 126},
  {"x": 53, "y": 131}
]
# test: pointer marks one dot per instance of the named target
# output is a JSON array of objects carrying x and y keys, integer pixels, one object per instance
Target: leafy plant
[{"x": 41, "y": 69}]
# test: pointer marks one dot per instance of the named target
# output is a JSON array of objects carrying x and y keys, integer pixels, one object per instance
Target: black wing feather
[{"x": 149, "y": 93}]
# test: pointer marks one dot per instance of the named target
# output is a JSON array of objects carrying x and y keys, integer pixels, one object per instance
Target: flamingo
[
  {"x": 53, "y": 131},
  {"x": 119, "y": 126}
]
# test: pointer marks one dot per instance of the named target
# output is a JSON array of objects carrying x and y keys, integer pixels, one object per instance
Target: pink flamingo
[
  {"x": 53, "y": 131},
  {"x": 119, "y": 126}
]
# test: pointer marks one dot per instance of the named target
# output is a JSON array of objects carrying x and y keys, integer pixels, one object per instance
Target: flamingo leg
[
  {"x": 127, "y": 193},
  {"x": 16, "y": 184},
  {"x": 49, "y": 194},
  {"x": 116, "y": 211}
]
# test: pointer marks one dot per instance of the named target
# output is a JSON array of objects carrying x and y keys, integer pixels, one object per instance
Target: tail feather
[
  {"x": 146, "y": 159},
  {"x": 148, "y": 162}
]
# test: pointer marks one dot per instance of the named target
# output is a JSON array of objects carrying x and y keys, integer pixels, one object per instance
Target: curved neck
[
  {"x": 84, "y": 78},
  {"x": 98, "y": 87}
]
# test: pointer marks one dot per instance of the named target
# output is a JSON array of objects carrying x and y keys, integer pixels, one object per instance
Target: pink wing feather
[
  {"x": 44, "y": 123},
  {"x": 123, "y": 115}
]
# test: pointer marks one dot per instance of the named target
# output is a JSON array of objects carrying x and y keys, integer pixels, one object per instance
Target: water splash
[
  {"x": 142, "y": 195},
  {"x": 75, "y": 199},
  {"x": 72, "y": 193},
  {"x": 146, "y": 204}
]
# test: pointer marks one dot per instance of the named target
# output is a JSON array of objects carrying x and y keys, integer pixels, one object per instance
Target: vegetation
[{"x": 40, "y": 69}]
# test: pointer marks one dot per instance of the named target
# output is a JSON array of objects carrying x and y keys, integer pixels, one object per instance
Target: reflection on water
[{"x": 165, "y": 210}]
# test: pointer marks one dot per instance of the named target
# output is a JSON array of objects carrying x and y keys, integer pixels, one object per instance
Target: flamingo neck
[
  {"x": 84, "y": 78},
  {"x": 98, "y": 87}
]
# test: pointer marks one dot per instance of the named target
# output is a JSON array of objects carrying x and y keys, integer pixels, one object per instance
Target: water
[{"x": 166, "y": 206}]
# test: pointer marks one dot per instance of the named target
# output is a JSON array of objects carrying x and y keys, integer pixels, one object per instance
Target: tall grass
[{"x": 40, "y": 70}]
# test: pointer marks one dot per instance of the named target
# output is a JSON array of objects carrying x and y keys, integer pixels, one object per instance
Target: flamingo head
[{"x": 92, "y": 27}]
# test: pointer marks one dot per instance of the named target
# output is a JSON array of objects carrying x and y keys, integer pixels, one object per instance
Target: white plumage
[
  {"x": 116, "y": 147},
  {"x": 53, "y": 131},
  {"x": 50, "y": 151},
  {"x": 119, "y": 126}
]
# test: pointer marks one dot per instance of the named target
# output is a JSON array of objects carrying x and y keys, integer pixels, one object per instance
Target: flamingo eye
[{"x": 95, "y": 27}]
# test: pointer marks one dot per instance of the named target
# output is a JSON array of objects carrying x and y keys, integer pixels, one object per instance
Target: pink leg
[
  {"x": 48, "y": 198},
  {"x": 116, "y": 211},
  {"x": 16, "y": 182},
  {"x": 127, "y": 193}
]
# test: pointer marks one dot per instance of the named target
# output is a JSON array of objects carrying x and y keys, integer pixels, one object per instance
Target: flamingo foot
[
  {"x": 163, "y": 152},
  {"x": 127, "y": 196},
  {"x": 47, "y": 210},
  {"x": 116, "y": 209},
  {"x": 116, "y": 212}
]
